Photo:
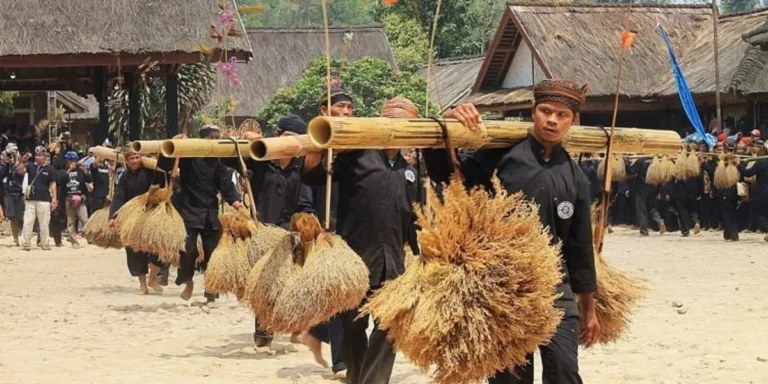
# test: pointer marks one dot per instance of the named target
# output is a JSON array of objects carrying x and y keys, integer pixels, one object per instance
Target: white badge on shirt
[
  {"x": 565, "y": 210},
  {"x": 410, "y": 176}
]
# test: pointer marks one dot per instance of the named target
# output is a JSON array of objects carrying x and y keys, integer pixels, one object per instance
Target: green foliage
[
  {"x": 6, "y": 102},
  {"x": 733, "y": 6},
  {"x": 370, "y": 81},
  {"x": 308, "y": 13},
  {"x": 196, "y": 84},
  {"x": 409, "y": 42}
]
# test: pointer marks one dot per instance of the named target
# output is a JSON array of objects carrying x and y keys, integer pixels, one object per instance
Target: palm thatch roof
[
  {"x": 452, "y": 79},
  {"x": 582, "y": 43},
  {"x": 281, "y": 56},
  {"x": 55, "y": 28},
  {"x": 87, "y": 107},
  {"x": 743, "y": 65}
]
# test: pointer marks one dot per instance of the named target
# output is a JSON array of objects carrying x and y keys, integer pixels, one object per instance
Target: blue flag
[{"x": 685, "y": 94}]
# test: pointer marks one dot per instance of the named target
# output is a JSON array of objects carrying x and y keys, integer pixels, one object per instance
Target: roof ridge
[
  {"x": 447, "y": 60},
  {"x": 315, "y": 29},
  {"x": 552, "y": 4},
  {"x": 745, "y": 13}
]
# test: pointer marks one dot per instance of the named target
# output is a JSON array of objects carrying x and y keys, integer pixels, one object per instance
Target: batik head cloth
[{"x": 561, "y": 91}]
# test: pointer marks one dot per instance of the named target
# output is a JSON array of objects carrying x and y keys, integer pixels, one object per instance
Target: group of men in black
[{"x": 691, "y": 204}]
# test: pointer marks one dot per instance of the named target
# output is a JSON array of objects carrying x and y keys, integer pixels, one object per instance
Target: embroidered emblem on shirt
[
  {"x": 410, "y": 176},
  {"x": 565, "y": 210}
]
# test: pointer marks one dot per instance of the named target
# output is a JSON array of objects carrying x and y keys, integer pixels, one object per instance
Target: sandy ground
[{"x": 74, "y": 316}]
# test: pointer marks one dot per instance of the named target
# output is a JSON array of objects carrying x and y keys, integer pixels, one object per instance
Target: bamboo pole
[
  {"x": 382, "y": 133},
  {"x": 202, "y": 148},
  {"x": 282, "y": 147},
  {"x": 109, "y": 154},
  {"x": 147, "y": 146}
]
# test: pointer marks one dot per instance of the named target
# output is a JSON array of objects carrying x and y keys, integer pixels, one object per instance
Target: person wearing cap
[
  {"x": 726, "y": 197},
  {"x": 759, "y": 192},
  {"x": 74, "y": 181},
  {"x": 99, "y": 170},
  {"x": 374, "y": 217},
  {"x": 277, "y": 191},
  {"x": 134, "y": 181},
  {"x": 543, "y": 170},
  {"x": 40, "y": 194},
  {"x": 13, "y": 194},
  {"x": 201, "y": 180}
]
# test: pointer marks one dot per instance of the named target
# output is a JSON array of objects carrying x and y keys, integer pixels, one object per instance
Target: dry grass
[
  {"x": 726, "y": 174},
  {"x": 618, "y": 169},
  {"x": 306, "y": 279},
  {"x": 687, "y": 165},
  {"x": 97, "y": 232},
  {"x": 150, "y": 223},
  {"x": 661, "y": 171},
  {"x": 617, "y": 295},
  {"x": 481, "y": 297}
]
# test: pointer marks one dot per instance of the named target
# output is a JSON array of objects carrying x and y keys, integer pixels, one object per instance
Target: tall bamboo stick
[
  {"x": 380, "y": 133},
  {"x": 282, "y": 147},
  {"x": 202, "y": 148}
]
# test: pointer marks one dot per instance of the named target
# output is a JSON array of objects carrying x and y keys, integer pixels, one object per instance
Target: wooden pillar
[
  {"x": 134, "y": 106},
  {"x": 172, "y": 102},
  {"x": 102, "y": 96}
]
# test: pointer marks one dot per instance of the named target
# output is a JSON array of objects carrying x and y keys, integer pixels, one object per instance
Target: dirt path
[{"x": 73, "y": 316}]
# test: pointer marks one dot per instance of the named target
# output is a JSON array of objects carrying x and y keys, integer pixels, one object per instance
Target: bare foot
[
  {"x": 295, "y": 338},
  {"x": 143, "y": 290},
  {"x": 186, "y": 294},
  {"x": 155, "y": 286},
  {"x": 315, "y": 346}
]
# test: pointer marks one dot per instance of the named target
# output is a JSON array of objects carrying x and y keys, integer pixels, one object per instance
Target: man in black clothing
[
  {"x": 374, "y": 216},
  {"x": 542, "y": 169},
  {"x": 12, "y": 191},
  {"x": 646, "y": 199},
  {"x": 136, "y": 181},
  {"x": 74, "y": 180},
  {"x": 278, "y": 192},
  {"x": 202, "y": 178},
  {"x": 759, "y": 192},
  {"x": 99, "y": 170}
]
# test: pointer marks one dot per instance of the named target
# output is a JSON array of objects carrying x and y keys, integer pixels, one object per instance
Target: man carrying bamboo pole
[
  {"x": 542, "y": 169},
  {"x": 135, "y": 181},
  {"x": 202, "y": 178},
  {"x": 374, "y": 217}
]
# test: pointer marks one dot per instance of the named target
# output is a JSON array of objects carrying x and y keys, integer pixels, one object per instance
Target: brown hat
[
  {"x": 400, "y": 107},
  {"x": 561, "y": 91}
]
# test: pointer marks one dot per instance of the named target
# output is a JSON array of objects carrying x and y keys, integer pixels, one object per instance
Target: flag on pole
[{"x": 682, "y": 89}]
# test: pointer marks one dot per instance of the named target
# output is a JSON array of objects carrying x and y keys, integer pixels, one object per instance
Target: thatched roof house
[
  {"x": 582, "y": 42},
  {"x": 452, "y": 79},
  {"x": 281, "y": 55},
  {"x": 743, "y": 57}
]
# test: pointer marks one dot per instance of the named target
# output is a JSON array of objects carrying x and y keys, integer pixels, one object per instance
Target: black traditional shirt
[
  {"x": 760, "y": 169},
  {"x": 373, "y": 211},
  {"x": 560, "y": 188},
  {"x": 12, "y": 179},
  {"x": 131, "y": 184},
  {"x": 100, "y": 177},
  {"x": 201, "y": 180}
]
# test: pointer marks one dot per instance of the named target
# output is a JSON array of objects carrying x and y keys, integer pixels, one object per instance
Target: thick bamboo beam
[
  {"x": 282, "y": 147},
  {"x": 112, "y": 155},
  {"x": 147, "y": 146},
  {"x": 381, "y": 133},
  {"x": 203, "y": 148}
]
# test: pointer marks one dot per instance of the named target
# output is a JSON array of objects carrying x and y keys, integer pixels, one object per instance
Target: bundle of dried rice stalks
[
  {"x": 687, "y": 165},
  {"x": 98, "y": 233},
  {"x": 306, "y": 279},
  {"x": 481, "y": 296},
  {"x": 727, "y": 173},
  {"x": 618, "y": 169},
  {"x": 618, "y": 293},
  {"x": 150, "y": 223},
  {"x": 660, "y": 171}
]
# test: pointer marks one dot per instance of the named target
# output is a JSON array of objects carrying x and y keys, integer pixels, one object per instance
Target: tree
[
  {"x": 196, "y": 84},
  {"x": 307, "y": 13},
  {"x": 409, "y": 42},
  {"x": 6, "y": 102},
  {"x": 371, "y": 82},
  {"x": 732, "y": 6}
]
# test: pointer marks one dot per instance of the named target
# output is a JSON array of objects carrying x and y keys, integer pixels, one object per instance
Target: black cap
[
  {"x": 338, "y": 95},
  {"x": 292, "y": 123}
]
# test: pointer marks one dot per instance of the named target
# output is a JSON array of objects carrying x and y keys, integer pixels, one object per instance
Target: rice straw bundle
[
  {"x": 617, "y": 295},
  {"x": 228, "y": 267},
  {"x": 660, "y": 171},
  {"x": 618, "y": 169},
  {"x": 481, "y": 297},
  {"x": 304, "y": 281},
  {"x": 687, "y": 165},
  {"x": 98, "y": 233},
  {"x": 150, "y": 223},
  {"x": 726, "y": 174}
]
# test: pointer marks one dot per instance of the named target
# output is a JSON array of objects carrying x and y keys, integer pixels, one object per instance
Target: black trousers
[
  {"x": 730, "y": 220},
  {"x": 368, "y": 360},
  {"x": 331, "y": 332},
  {"x": 692, "y": 206},
  {"x": 683, "y": 216},
  {"x": 260, "y": 334},
  {"x": 138, "y": 262},
  {"x": 560, "y": 359},
  {"x": 210, "y": 239},
  {"x": 643, "y": 203}
]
